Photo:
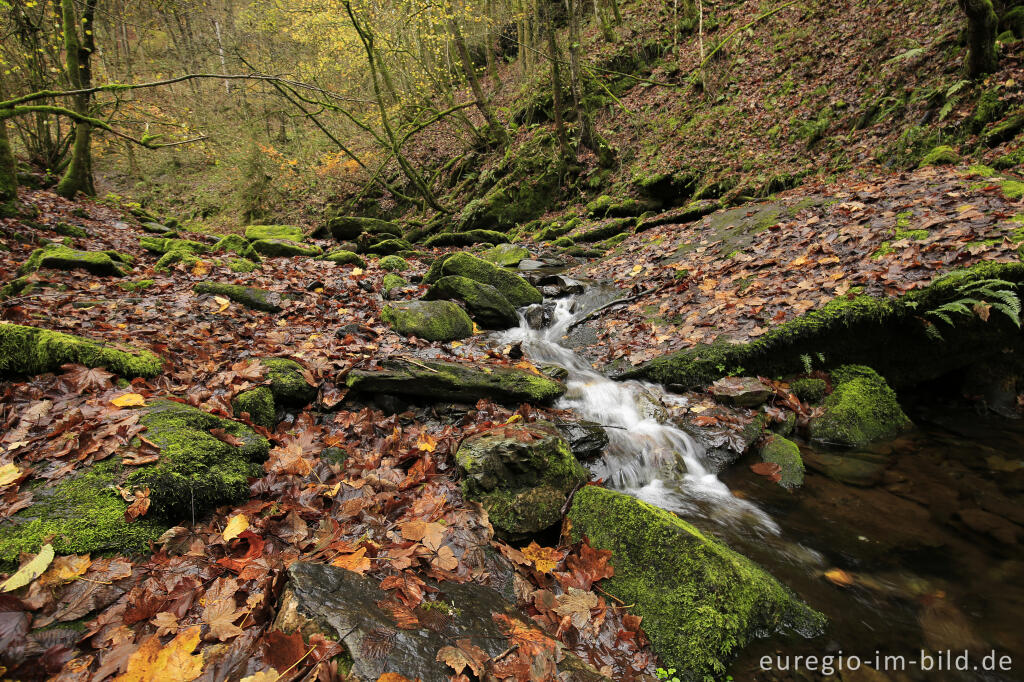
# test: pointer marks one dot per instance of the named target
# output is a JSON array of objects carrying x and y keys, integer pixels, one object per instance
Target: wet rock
[
  {"x": 506, "y": 255},
  {"x": 650, "y": 407},
  {"x": 986, "y": 523},
  {"x": 157, "y": 228},
  {"x": 862, "y": 408},
  {"x": 784, "y": 452},
  {"x": 740, "y": 391},
  {"x": 556, "y": 372},
  {"x": 486, "y": 304},
  {"x": 517, "y": 290},
  {"x": 700, "y": 601},
  {"x": 430, "y": 320},
  {"x": 284, "y": 248},
  {"x": 250, "y": 297},
  {"x": 522, "y": 474},
  {"x": 436, "y": 380},
  {"x": 530, "y": 264},
  {"x": 859, "y": 469},
  {"x": 539, "y": 315},
  {"x": 586, "y": 439},
  {"x": 344, "y": 606},
  {"x": 556, "y": 286}
]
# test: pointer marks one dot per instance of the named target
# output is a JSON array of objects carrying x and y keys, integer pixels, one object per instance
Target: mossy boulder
[
  {"x": 435, "y": 380},
  {"x": 940, "y": 156},
  {"x": 59, "y": 257},
  {"x": 517, "y": 290},
  {"x": 83, "y": 513},
  {"x": 162, "y": 245},
  {"x": 393, "y": 264},
  {"x": 287, "y": 382},
  {"x": 467, "y": 238},
  {"x": 285, "y": 248},
  {"x": 521, "y": 474},
  {"x": 234, "y": 243},
  {"x": 30, "y": 350},
  {"x": 345, "y": 258},
  {"x": 170, "y": 258},
  {"x": 242, "y": 265},
  {"x": 250, "y": 297},
  {"x": 290, "y": 232},
  {"x": 350, "y": 227},
  {"x": 430, "y": 320},
  {"x": 784, "y": 452},
  {"x": 862, "y": 408},
  {"x": 259, "y": 403},
  {"x": 809, "y": 390},
  {"x": 196, "y": 471},
  {"x": 392, "y": 281},
  {"x": 506, "y": 255},
  {"x": 68, "y": 230},
  {"x": 388, "y": 247},
  {"x": 701, "y": 602},
  {"x": 157, "y": 228},
  {"x": 434, "y": 271},
  {"x": 486, "y": 305}
]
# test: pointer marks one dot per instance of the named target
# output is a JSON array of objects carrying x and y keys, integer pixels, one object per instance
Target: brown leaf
[
  {"x": 544, "y": 559},
  {"x": 138, "y": 507},
  {"x": 225, "y": 437},
  {"x": 65, "y": 569},
  {"x": 463, "y": 654},
  {"x": 577, "y": 604},
  {"x": 173, "y": 662},
  {"x": 356, "y": 562}
]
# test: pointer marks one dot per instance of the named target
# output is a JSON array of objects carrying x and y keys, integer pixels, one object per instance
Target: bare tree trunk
[
  {"x": 496, "y": 129},
  {"x": 981, "y": 37},
  {"x": 220, "y": 52},
  {"x": 78, "y": 176},
  {"x": 556, "y": 89}
]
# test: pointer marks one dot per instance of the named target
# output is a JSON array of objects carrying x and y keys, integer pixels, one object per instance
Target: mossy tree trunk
[
  {"x": 556, "y": 88},
  {"x": 8, "y": 174},
  {"x": 79, "y": 49},
  {"x": 982, "y": 24}
]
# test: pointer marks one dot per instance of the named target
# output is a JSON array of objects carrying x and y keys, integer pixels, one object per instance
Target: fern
[{"x": 998, "y": 294}]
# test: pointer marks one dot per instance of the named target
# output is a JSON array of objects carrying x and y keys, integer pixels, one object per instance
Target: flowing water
[{"x": 921, "y": 583}]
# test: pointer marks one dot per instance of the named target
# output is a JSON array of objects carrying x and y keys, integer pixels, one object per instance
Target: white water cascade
[{"x": 646, "y": 457}]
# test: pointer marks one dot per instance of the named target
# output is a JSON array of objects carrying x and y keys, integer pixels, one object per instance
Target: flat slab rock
[
  {"x": 740, "y": 391},
  {"x": 343, "y": 606}
]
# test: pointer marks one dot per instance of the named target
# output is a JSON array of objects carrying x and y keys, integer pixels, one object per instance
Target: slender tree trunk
[
  {"x": 78, "y": 176},
  {"x": 982, "y": 24},
  {"x": 496, "y": 129},
  {"x": 8, "y": 173},
  {"x": 220, "y": 53},
  {"x": 556, "y": 89},
  {"x": 491, "y": 42},
  {"x": 588, "y": 134}
]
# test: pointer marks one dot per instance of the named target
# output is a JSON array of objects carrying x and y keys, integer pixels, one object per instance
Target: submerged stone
[
  {"x": 284, "y": 247},
  {"x": 486, "y": 305},
  {"x": 435, "y": 380},
  {"x": 289, "y": 232},
  {"x": 784, "y": 452},
  {"x": 430, "y": 320},
  {"x": 58, "y": 257},
  {"x": 700, "y": 601},
  {"x": 251, "y": 297},
  {"x": 521, "y": 474},
  {"x": 861, "y": 408},
  {"x": 30, "y": 350},
  {"x": 517, "y": 290},
  {"x": 587, "y": 439}
]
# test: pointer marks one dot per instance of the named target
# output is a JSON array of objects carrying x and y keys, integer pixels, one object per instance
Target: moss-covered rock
[
  {"x": 885, "y": 333},
  {"x": 430, "y": 320},
  {"x": 259, "y": 403},
  {"x": 30, "y": 350},
  {"x": 287, "y": 382},
  {"x": 59, "y": 257},
  {"x": 171, "y": 258},
  {"x": 242, "y": 265},
  {"x": 285, "y": 248},
  {"x": 612, "y": 228},
  {"x": 345, "y": 258},
  {"x": 1005, "y": 130},
  {"x": 862, "y": 408},
  {"x": 350, "y": 227},
  {"x": 251, "y": 297},
  {"x": 392, "y": 281},
  {"x": 434, "y": 271},
  {"x": 700, "y": 601},
  {"x": 157, "y": 228},
  {"x": 786, "y": 454},
  {"x": 517, "y": 290},
  {"x": 136, "y": 286},
  {"x": 393, "y": 264},
  {"x": 68, "y": 230},
  {"x": 606, "y": 206},
  {"x": 196, "y": 471},
  {"x": 83, "y": 513},
  {"x": 809, "y": 390},
  {"x": 234, "y": 243},
  {"x": 486, "y": 305},
  {"x": 434, "y": 380},
  {"x": 940, "y": 156},
  {"x": 467, "y": 238},
  {"x": 522, "y": 475},
  {"x": 506, "y": 255},
  {"x": 163, "y": 245},
  {"x": 388, "y": 247},
  {"x": 290, "y": 232}
]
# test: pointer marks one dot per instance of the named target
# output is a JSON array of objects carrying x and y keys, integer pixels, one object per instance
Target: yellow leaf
[
  {"x": 636, "y": 269},
  {"x": 236, "y": 526},
  {"x": 9, "y": 473},
  {"x": 175, "y": 662},
  {"x": 357, "y": 271},
  {"x": 201, "y": 269},
  {"x": 129, "y": 400},
  {"x": 514, "y": 418},
  {"x": 263, "y": 676},
  {"x": 544, "y": 559},
  {"x": 224, "y": 303},
  {"x": 456, "y": 344},
  {"x": 65, "y": 569},
  {"x": 839, "y": 577},
  {"x": 476, "y": 329},
  {"x": 31, "y": 570},
  {"x": 426, "y": 442},
  {"x": 282, "y": 323}
]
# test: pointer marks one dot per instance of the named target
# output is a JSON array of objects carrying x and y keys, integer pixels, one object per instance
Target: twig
[{"x": 418, "y": 364}]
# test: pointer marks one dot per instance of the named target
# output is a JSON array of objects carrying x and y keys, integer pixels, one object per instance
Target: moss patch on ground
[
  {"x": 289, "y": 232},
  {"x": 30, "y": 350},
  {"x": 59, "y": 257}
]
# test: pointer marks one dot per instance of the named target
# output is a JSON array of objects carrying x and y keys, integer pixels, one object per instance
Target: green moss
[
  {"x": 431, "y": 320},
  {"x": 242, "y": 265},
  {"x": 164, "y": 245},
  {"x": 81, "y": 514},
  {"x": 350, "y": 227},
  {"x": 196, "y": 471},
  {"x": 862, "y": 408},
  {"x": 289, "y": 232},
  {"x": 786, "y": 454},
  {"x": 506, "y": 255},
  {"x": 517, "y": 290},
  {"x": 809, "y": 390},
  {"x": 700, "y": 601},
  {"x": 138, "y": 285},
  {"x": 942, "y": 155},
  {"x": 609, "y": 229},
  {"x": 259, "y": 403},
  {"x": 67, "y": 230},
  {"x": 29, "y": 350},
  {"x": 1005, "y": 130},
  {"x": 234, "y": 243},
  {"x": 886, "y": 333},
  {"x": 251, "y": 297},
  {"x": 287, "y": 383},
  {"x": 58, "y": 257},
  {"x": 486, "y": 305},
  {"x": 16, "y": 287},
  {"x": 284, "y": 248},
  {"x": 345, "y": 258},
  {"x": 1012, "y": 189},
  {"x": 564, "y": 242},
  {"x": 389, "y": 246},
  {"x": 467, "y": 238},
  {"x": 392, "y": 281},
  {"x": 174, "y": 257},
  {"x": 434, "y": 271},
  {"x": 393, "y": 264}
]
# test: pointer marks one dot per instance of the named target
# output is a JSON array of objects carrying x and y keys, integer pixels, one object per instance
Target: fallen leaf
[
  {"x": 235, "y": 526},
  {"x": 544, "y": 559},
  {"x": 9, "y": 473},
  {"x": 463, "y": 654},
  {"x": 138, "y": 507},
  {"x": 838, "y": 576},
  {"x": 173, "y": 662},
  {"x": 357, "y": 562},
  {"x": 263, "y": 676},
  {"x": 223, "y": 302},
  {"x": 30, "y": 571},
  {"x": 129, "y": 400},
  {"x": 65, "y": 569},
  {"x": 576, "y": 603}
]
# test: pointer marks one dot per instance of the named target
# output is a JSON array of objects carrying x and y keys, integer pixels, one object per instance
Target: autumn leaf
[
  {"x": 263, "y": 676},
  {"x": 129, "y": 400},
  {"x": 222, "y": 302},
  {"x": 426, "y": 442},
  {"x": 85, "y": 378},
  {"x": 576, "y": 603},
  {"x": 430, "y": 534},
  {"x": 165, "y": 622},
  {"x": 236, "y": 525},
  {"x": 173, "y": 662},
  {"x": 445, "y": 559},
  {"x": 221, "y": 615},
  {"x": 357, "y": 562},
  {"x": 225, "y": 437},
  {"x": 138, "y": 507},
  {"x": 463, "y": 654},
  {"x": 544, "y": 559},
  {"x": 838, "y": 576},
  {"x": 392, "y": 677},
  {"x": 770, "y": 470},
  {"x": 31, "y": 570},
  {"x": 9, "y": 473},
  {"x": 65, "y": 569}
]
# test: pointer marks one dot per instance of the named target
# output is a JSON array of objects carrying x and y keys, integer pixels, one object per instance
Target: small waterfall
[{"x": 647, "y": 456}]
